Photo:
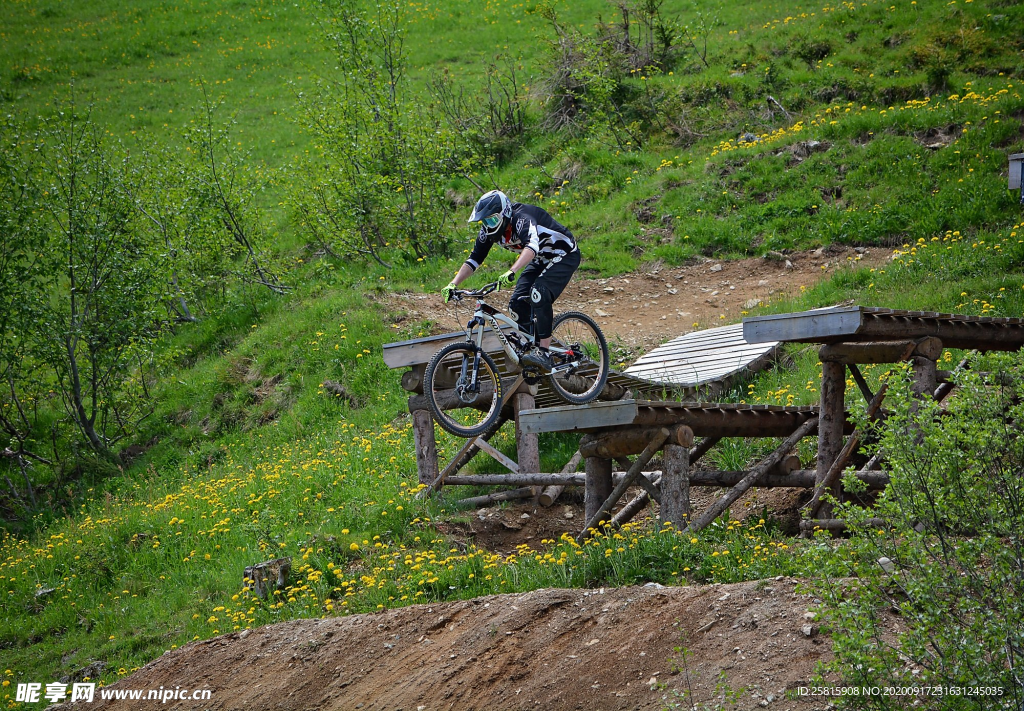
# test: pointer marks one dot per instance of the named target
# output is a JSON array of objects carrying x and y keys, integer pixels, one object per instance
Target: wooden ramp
[
  {"x": 687, "y": 366},
  {"x": 701, "y": 357}
]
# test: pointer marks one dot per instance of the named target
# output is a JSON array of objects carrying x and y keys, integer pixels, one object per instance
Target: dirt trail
[
  {"x": 644, "y": 309},
  {"x": 608, "y": 649}
]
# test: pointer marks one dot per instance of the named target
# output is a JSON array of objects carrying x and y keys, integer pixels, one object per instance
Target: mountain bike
[{"x": 462, "y": 383}]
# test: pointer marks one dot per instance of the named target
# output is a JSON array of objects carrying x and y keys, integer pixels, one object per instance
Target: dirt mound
[{"x": 548, "y": 649}]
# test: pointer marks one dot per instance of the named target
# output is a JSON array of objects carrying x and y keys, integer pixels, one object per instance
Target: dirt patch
[
  {"x": 938, "y": 137},
  {"x": 548, "y": 649},
  {"x": 643, "y": 309}
]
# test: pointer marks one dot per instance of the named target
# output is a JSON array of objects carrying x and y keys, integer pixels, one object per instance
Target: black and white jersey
[{"x": 531, "y": 227}]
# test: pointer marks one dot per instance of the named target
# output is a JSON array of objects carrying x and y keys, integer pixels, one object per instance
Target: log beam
[
  {"x": 831, "y": 478},
  {"x": 797, "y": 479},
  {"x": 880, "y": 352},
  {"x": 553, "y": 491},
  {"x": 628, "y": 512},
  {"x": 630, "y": 441},
  {"x": 702, "y": 448},
  {"x": 837, "y": 524},
  {"x": 527, "y": 447},
  {"x": 497, "y": 497}
]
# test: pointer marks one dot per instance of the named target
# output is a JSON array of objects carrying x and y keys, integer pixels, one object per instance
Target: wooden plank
[
  {"x": 488, "y": 448},
  {"x": 953, "y": 334},
  {"x": 402, "y": 354},
  {"x": 852, "y": 324},
  {"x": 818, "y": 325},
  {"x": 687, "y": 374},
  {"x": 701, "y": 350},
  {"x": 698, "y": 341},
  {"x": 571, "y": 418},
  {"x": 710, "y": 337}
]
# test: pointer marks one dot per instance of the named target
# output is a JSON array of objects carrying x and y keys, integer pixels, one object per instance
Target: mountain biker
[{"x": 548, "y": 257}]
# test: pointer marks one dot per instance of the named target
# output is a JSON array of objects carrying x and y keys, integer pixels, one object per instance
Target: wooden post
[
  {"x": 527, "y": 447},
  {"x": 831, "y": 477},
  {"x": 831, "y": 419},
  {"x": 628, "y": 512},
  {"x": 604, "y": 510},
  {"x": 675, "y": 486},
  {"x": 488, "y": 499},
  {"x": 426, "y": 446},
  {"x": 550, "y": 493},
  {"x": 751, "y": 477},
  {"x": 598, "y": 486},
  {"x": 925, "y": 376}
]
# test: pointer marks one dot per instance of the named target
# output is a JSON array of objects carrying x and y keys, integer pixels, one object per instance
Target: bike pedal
[{"x": 532, "y": 376}]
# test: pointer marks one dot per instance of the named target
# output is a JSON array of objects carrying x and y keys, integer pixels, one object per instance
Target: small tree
[
  {"x": 20, "y": 277},
  {"x": 94, "y": 301},
  {"x": 954, "y": 539},
  {"x": 382, "y": 161},
  {"x": 224, "y": 182}
]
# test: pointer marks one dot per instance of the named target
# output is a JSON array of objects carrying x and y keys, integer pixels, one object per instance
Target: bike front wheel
[
  {"x": 577, "y": 333},
  {"x": 463, "y": 389}
]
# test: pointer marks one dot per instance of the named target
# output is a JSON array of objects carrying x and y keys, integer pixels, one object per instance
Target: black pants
[{"x": 536, "y": 290}]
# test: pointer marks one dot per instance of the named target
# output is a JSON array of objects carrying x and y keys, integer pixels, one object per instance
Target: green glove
[
  {"x": 448, "y": 291},
  {"x": 507, "y": 279}
]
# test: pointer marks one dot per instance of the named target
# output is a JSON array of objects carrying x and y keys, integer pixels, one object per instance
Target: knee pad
[
  {"x": 540, "y": 296},
  {"x": 520, "y": 308}
]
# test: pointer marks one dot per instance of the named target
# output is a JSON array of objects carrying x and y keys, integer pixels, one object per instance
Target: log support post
[
  {"x": 598, "y": 484},
  {"x": 675, "y": 482},
  {"x": 426, "y": 446},
  {"x": 830, "y": 422},
  {"x": 527, "y": 447},
  {"x": 925, "y": 376}
]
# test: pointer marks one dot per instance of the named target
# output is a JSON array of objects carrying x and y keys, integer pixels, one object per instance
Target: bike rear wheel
[
  {"x": 576, "y": 331},
  {"x": 457, "y": 405}
]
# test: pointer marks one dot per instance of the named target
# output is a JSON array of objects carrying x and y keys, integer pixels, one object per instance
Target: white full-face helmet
[{"x": 493, "y": 210}]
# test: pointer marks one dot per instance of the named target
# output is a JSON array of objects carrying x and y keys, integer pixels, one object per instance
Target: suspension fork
[{"x": 476, "y": 336}]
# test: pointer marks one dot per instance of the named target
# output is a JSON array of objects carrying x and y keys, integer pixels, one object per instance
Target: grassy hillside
[{"x": 913, "y": 106}]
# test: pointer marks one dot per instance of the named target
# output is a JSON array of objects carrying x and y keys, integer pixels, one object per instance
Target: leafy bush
[
  {"x": 935, "y": 596},
  {"x": 376, "y": 180}
]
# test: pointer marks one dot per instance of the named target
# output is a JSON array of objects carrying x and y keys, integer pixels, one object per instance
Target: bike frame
[{"x": 485, "y": 314}]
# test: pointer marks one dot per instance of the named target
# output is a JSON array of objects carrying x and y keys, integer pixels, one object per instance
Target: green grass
[{"x": 248, "y": 457}]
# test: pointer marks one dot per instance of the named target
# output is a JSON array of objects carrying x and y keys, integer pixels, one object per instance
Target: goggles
[{"x": 492, "y": 221}]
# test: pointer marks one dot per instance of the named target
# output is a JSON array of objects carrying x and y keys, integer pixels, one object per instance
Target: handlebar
[{"x": 477, "y": 293}]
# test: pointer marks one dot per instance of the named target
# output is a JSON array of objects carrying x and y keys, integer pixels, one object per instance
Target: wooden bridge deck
[
  {"x": 854, "y": 324},
  {"x": 705, "y": 419},
  {"x": 684, "y": 366}
]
